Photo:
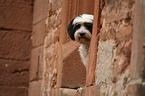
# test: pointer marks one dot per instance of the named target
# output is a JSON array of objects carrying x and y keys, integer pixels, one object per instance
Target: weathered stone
[
  {"x": 91, "y": 91},
  {"x": 53, "y": 7},
  {"x": 16, "y": 15},
  {"x": 35, "y": 88},
  {"x": 72, "y": 64},
  {"x": 116, "y": 31},
  {"x": 51, "y": 48},
  {"x": 56, "y": 36},
  {"x": 115, "y": 11},
  {"x": 14, "y": 73},
  {"x": 117, "y": 27},
  {"x": 36, "y": 67},
  {"x": 13, "y": 91},
  {"x": 108, "y": 35},
  {"x": 138, "y": 44},
  {"x": 15, "y": 45},
  {"x": 104, "y": 66},
  {"x": 104, "y": 62},
  {"x": 38, "y": 34},
  {"x": 40, "y": 10},
  {"x": 124, "y": 33},
  {"x": 117, "y": 38},
  {"x": 122, "y": 56},
  {"x": 68, "y": 92},
  {"x": 136, "y": 90}
]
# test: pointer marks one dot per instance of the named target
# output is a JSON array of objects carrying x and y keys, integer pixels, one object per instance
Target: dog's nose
[{"x": 82, "y": 34}]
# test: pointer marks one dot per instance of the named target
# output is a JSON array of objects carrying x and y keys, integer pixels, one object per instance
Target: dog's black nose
[{"x": 82, "y": 34}]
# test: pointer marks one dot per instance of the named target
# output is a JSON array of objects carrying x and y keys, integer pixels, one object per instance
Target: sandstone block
[
  {"x": 136, "y": 90},
  {"x": 15, "y": 44},
  {"x": 91, "y": 91},
  {"x": 14, "y": 73},
  {"x": 16, "y": 15},
  {"x": 74, "y": 71},
  {"x": 36, "y": 67},
  {"x": 40, "y": 10},
  {"x": 35, "y": 88},
  {"x": 38, "y": 33},
  {"x": 115, "y": 11},
  {"x": 13, "y": 91},
  {"x": 67, "y": 92}
]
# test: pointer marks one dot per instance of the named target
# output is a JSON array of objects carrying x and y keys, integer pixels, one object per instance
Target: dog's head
[{"x": 80, "y": 28}]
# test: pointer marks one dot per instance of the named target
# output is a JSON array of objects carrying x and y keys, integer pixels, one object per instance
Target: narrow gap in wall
[{"x": 72, "y": 67}]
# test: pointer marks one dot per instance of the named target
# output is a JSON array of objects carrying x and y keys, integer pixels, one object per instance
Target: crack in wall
[{"x": 20, "y": 71}]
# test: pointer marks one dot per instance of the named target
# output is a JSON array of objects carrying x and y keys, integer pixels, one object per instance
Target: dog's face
[{"x": 80, "y": 28}]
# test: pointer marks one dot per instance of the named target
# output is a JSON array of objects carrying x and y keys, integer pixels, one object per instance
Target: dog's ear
[{"x": 70, "y": 30}]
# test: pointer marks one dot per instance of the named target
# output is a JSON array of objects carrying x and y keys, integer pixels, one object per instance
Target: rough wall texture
[
  {"x": 15, "y": 46},
  {"x": 56, "y": 69},
  {"x": 114, "y": 50},
  {"x": 48, "y": 25},
  {"x": 115, "y": 69},
  {"x": 53, "y": 23},
  {"x": 45, "y": 36},
  {"x": 40, "y": 10},
  {"x": 52, "y": 54}
]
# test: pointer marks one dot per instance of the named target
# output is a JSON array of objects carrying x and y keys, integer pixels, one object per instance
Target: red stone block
[
  {"x": 13, "y": 91},
  {"x": 74, "y": 72},
  {"x": 136, "y": 90},
  {"x": 16, "y": 14},
  {"x": 40, "y": 10},
  {"x": 15, "y": 45},
  {"x": 36, "y": 67},
  {"x": 14, "y": 73},
  {"x": 91, "y": 91},
  {"x": 38, "y": 33},
  {"x": 35, "y": 88}
]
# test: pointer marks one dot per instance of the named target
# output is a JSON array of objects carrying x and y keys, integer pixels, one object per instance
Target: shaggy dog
[{"x": 80, "y": 30}]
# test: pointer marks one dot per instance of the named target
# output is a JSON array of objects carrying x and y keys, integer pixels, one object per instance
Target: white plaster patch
[
  {"x": 104, "y": 66},
  {"x": 104, "y": 62}
]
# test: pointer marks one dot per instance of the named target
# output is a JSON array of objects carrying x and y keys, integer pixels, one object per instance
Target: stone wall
[
  {"x": 15, "y": 46},
  {"x": 40, "y": 15},
  {"x": 56, "y": 68},
  {"x": 51, "y": 44},
  {"x": 53, "y": 66},
  {"x": 114, "y": 49},
  {"x": 118, "y": 72},
  {"x": 45, "y": 37}
]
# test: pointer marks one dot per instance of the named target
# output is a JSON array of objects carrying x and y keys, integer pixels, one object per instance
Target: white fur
[
  {"x": 84, "y": 48},
  {"x": 83, "y": 18},
  {"x": 84, "y": 45},
  {"x": 84, "y": 51},
  {"x": 82, "y": 29}
]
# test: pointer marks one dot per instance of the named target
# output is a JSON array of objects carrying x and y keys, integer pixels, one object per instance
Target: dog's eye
[
  {"x": 77, "y": 26},
  {"x": 88, "y": 26}
]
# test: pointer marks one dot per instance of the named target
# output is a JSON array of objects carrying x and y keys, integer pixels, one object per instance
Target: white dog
[{"x": 80, "y": 29}]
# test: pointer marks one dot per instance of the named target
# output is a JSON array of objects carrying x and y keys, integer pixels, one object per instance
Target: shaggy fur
[{"x": 80, "y": 30}]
